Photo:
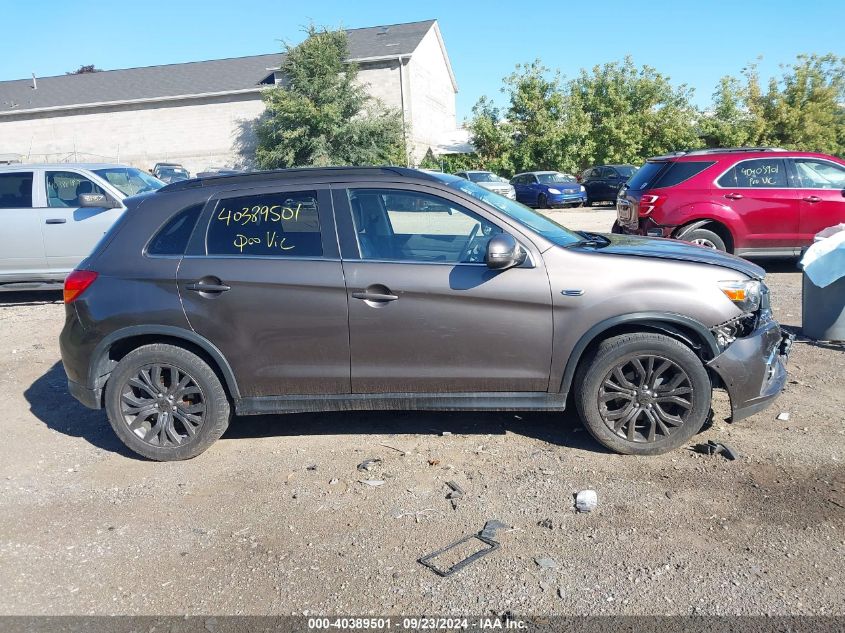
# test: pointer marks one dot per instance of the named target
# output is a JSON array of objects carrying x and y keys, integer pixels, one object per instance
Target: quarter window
[
  {"x": 173, "y": 237},
  {"x": 761, "y": 173},
  {"x": 16, "y": 190},
  {"x": 65, "y": 187},
  {"x": 820, "y": 174},
  {"x": 392, "y": 224},
  {"x": 269, "y": 225}
]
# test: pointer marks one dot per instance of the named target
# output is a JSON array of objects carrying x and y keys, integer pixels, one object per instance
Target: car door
[
  {"x": 426, "y": 315},
  {"x": 592, "y": 184},
  {"x": 70, "y": 231},
  {"x": 822, "y": 195},
  {"x": 612, "y": 181},
  {"x": 21, "y": 242},
  {"x": 761, "y": 194},
  {"x": 518, "y": 183},
  {"x": 262, "y": 280}
]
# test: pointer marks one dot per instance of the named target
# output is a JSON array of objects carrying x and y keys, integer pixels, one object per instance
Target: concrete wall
[{"x": 199, "y": 132}]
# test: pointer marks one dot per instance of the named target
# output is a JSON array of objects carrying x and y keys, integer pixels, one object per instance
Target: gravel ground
[{"x": 275, "y": 519}]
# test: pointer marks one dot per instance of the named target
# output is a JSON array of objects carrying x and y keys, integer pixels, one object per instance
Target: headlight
[
  {"x": 582, "y": 189},
  {"x": 554, "y": 191},
  {"x": 745, "y": 294}
]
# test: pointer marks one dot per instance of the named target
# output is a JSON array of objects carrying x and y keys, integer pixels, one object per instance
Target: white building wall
[
  {"x": 198, "y": 133},
  {"x": 432, "y": 94}
]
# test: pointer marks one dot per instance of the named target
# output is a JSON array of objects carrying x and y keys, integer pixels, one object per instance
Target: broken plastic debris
[
  {"x": 717, "y": 448},
  {"x": 368, "y": 464},
  {"x": 372, "y": 482},
  {"x": 456, "y": 493},
  {"x": 546, "y": 563},
  {"x": 491, "y": 527},
  {"x": 586, "y": 501},
  {"x": 783, "y": 415}
]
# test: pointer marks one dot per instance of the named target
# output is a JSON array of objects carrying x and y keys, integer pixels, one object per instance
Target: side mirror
[
  {"x": 97, "y": 201},
  {"x": 503, "y": 251}
]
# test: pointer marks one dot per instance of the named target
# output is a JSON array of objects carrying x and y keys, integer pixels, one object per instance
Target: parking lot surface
[{"x": 276, "y": 519}]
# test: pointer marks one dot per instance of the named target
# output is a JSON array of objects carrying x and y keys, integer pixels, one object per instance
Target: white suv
[{"x": 53, "y": 214}]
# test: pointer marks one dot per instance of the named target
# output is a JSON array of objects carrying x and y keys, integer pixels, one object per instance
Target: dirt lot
[{"x": 274, "y": 517}]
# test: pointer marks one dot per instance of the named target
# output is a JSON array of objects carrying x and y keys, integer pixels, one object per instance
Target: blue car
[{"x": 548, "y": 189}]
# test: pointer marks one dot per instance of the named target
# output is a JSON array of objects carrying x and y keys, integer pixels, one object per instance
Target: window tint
[
  {"x": 760, "y": 173},
  {"x": 172, "y": 238},
  {"x": 646, "y": 175},
  {"x": 276, "y": 224},
  {"x": 401, "y": 225},
  {"x": 678, "y": 172},
  {"x": 608, "y": 172},
  {"x": 16, "y": 190},
  {"x": 65, "y": 187},
  {"x": 820, "y": 174}
]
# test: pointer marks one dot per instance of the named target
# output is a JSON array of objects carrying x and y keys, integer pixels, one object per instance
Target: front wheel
[
  {"x": 165, "y": 403},
  {"x": 542, "y": 201},
  {"x": 642, "y": 393}
]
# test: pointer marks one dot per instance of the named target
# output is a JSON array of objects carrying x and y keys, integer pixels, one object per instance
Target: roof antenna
[{"x": 34, "y": 82}]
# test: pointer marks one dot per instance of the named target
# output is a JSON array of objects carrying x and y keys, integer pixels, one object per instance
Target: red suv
[{"x": 753, "y": 202}]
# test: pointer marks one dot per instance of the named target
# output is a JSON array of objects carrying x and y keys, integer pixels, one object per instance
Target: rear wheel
[
  {"x": 705, "y": 238},
  {"x": 166, "y": 403},
  {"x": 643, "y": 393}
]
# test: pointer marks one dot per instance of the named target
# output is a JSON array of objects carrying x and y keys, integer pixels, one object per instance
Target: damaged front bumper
[{"x": 753, "y": 368}]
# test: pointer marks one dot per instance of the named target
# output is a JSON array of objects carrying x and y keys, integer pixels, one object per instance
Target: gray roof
[{"x": 193, "y": 78}]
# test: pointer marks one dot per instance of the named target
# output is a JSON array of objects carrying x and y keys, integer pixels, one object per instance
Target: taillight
[
  {"x": 648, "y": 203},
  {"x": 76, "y": 283}
]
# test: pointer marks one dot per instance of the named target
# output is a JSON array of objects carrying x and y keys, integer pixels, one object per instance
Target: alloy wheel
[
  {"x": 163, "y": 405},
  {"x": 645, "y": 398},
  {"x": 704, "y": 242}
]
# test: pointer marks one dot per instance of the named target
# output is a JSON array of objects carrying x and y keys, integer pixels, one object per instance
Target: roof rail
[
  {"x": 291, "y": 174},
  {"x": 726, "y": 150}
]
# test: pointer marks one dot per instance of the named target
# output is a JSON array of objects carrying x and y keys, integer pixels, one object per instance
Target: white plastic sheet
[{"x": 824, "y": 261}]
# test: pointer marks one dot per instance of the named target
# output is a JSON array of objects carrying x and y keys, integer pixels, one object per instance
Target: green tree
[
  {"x": 320, "y": 115},
  {"x": 631, "y": 113}
]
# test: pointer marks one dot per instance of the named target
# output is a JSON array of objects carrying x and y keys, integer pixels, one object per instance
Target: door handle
[
  {"x": 55, "y": 221},
  {"x": 374, "y": 296},
  {"x": 812, "y": 199},
  {"x": 733, "y": 196},
  {"x": 201, "y": 287}
]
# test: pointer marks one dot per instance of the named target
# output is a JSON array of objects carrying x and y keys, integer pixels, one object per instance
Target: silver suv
[
  {"x": 54, "y": 214},
  {"x": 390, "y": 288}
]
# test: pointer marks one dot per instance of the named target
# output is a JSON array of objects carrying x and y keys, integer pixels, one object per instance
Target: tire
[
  {"x": 542, "y": 201},
  {"x": 616, "y": 229},
  {"x": 705, "y": 238},
  {"x": 659, "y": 425},
  {"x": 189, "y": 420}
]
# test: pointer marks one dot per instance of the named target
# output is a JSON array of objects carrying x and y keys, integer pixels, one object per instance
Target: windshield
[
  {"x": 548, "y": 179},
  {"x": 540, "y": 224},
  {"x": 129, "y": 180},
  {"x": 484, "y": 176},
  {"x": 626, "y": 170}
]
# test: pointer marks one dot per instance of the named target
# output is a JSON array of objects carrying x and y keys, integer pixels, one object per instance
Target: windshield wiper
[{"x": 591, "y": 239}]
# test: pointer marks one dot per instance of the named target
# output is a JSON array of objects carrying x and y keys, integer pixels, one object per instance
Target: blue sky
[{"x": 693, "y": 42}]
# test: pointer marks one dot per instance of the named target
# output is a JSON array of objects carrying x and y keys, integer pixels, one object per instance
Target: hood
[{"x": 636, "y": 246}]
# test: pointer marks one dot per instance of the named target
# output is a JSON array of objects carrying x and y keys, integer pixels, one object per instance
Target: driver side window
[{"x": 399, "y": 225}]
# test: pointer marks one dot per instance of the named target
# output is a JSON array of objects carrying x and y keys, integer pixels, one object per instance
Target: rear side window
[
  {"x": 646, "y": 175},
  {"x": 172, "y": 238},
  {"x": 16, "y": 190},
  {"x": 759, "y": 173},
  {"x": 270, "y": 225},
  {"x": 678, "y": 172}
]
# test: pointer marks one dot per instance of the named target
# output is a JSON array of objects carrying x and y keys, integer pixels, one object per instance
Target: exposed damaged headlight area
[{"x": 739, "y": 327}]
